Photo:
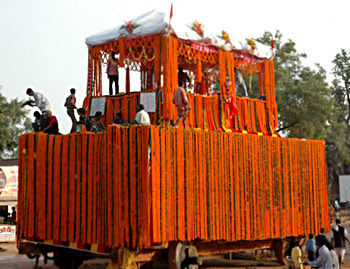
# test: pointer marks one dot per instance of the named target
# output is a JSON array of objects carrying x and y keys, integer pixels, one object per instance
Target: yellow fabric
[
  {"x": 127, "y": 263},
  {"x": 296, "y": 256}
]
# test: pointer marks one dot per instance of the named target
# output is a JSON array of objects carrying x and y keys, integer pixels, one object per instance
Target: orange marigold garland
[
  {"x": 268, "y": 168},
  {"x": 121, "y": 51}
]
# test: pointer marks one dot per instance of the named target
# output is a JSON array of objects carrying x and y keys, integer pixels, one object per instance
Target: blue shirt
[
  {"x": 119, "y": 122},
  {"x": 311, "y": 245}
]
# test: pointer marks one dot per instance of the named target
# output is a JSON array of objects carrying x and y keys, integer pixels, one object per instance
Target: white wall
[{"x": 344, "y": 188}]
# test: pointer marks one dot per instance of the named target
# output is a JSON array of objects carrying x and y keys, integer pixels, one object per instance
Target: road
[{"x": 10, "y": 259}]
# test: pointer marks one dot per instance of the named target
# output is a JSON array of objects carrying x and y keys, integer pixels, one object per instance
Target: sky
[{"x": 42, "y": 42}]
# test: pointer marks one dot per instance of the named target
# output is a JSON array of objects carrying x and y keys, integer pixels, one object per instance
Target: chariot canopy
[{"x": 152, "y": 46}]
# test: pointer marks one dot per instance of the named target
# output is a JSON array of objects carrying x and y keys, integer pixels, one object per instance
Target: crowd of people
[
  {"x": 322, "y": 252},
  {"x": 45, "y": 121}
]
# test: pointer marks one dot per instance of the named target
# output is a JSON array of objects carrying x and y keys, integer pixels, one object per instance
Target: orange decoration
[
  {"x": 199, "y": 71},
  {"x": 127, "y": 80},
  {"x": 197, "y": 184},
  {"x": 121, "y": 52}
]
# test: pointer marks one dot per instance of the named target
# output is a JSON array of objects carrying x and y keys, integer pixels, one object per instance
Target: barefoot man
[{"x": 181, "y": 102}]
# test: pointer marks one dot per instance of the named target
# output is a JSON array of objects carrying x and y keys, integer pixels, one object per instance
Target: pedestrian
[
  {"x": 52, "y": 123},
  {"x": 340, "y": 235},
  {"x": 335, "y": 260},
  {"x": 13, "y": 214},
  {"x": 142, "y": 116},
  {"x": 39, "y": 100},
  {"x": 112, "y": 73},
  {"x": 332, "y": 213},
  {"x": 119, "y": 119},
  {"x": 322, "y": 233},
  {"x": 296, "y": 255},
  {"x": 37, "y": 124},
  {"x": 324, "y": 260},
  {"x": 336, "y": 214},
  {"x": 70, "y": 104},
  {"x": 97, "y": 125},
  {"x": 336, "y": 205},
  {"x": 180, "y": 100},
  {"x": 311, "y": 248}
]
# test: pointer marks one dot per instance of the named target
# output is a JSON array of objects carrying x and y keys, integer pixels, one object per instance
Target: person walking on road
[
  {"x": 311, "y": 248},
  {"x": 335, "y": 260},
  {"x": 340, "y": 235},
  {"x": 296, "y": 255},
  {"x": 324, "y": 260}
]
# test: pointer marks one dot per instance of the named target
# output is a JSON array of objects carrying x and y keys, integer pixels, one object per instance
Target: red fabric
[
  {"x": 51, "y": 119},
  {"x": 127, "y": 80},
  {"x": 171, "y": 11},
  {"x": 233, "y": 106},
  {"x": 272, "y": 44}
]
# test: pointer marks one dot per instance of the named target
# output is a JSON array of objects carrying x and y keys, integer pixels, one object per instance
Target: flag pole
[{"x": 171, "y": 14}]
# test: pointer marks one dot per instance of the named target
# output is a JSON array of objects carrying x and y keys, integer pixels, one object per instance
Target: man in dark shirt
[
  {"x": 340, "y": 235},
  {"x": 181, "y": 75},
  {"x": 37, "y": 124},
  {"x": 119, "y": 119}
]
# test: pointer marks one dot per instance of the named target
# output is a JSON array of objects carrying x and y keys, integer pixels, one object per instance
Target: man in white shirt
[
  {"x": 142, "y": 116},
  {"x": 335, "y": 260},
  {"x": 39, "y": 100},
  {"x": 339, "y": 236},
  {"x": 324, "y": 260}
]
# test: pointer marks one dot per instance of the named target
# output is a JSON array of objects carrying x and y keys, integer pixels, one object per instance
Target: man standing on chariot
[
  {"x": 112, "y": 73},
  {"x": 181, "y": 102}
]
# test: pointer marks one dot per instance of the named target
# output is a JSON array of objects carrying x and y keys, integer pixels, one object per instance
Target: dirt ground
[{"x": 10, "y": 259}]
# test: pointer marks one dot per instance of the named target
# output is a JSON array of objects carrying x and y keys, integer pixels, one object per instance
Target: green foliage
[
  {"x": 304, "y": 100},
  {"x": 338, "y": 149},
  {"x": 341, "y": 85},
  {"x": 13, "y": 123},
  {"x": 308, "y": 107}
]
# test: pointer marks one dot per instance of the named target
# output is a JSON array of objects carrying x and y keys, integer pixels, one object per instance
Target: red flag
[
  {"x": 272, "y": 44},
  {"x": 171, "y": 11}
]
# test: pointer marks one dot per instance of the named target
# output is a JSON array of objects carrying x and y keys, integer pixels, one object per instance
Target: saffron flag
[
  {"x": 272, "y": 44},
  {"x": 171, "y": 11}
]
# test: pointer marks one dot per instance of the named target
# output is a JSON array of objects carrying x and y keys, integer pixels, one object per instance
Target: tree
[
  {"x": 338, "y": 145},
  {"x": 341, "y": 84},
  {"x": 13, "y": 123},
  {"x": 304, "y": 100}
]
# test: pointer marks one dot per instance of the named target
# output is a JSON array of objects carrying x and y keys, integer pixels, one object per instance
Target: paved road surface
[{"x": 10, "y": 259}]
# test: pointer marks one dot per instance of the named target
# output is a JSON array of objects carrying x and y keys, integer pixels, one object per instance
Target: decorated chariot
[{"x": 224, "y": 183}]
